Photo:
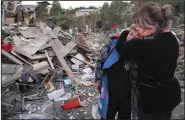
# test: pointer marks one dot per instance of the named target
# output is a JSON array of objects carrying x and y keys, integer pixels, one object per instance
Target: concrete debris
[
  {"x": 54, "y": 54},
  {"x": 9, "y": 68},
  {"x": 80, "y": 57},
  {"x": 56, "y": 94},
  {"x": 11, "y": 57},
  {"x": 31, "y": 32},
  {"x": 17, "y": 75},
  {"x": 64, "y": 97},
  {"x": 64, "y": 64}
]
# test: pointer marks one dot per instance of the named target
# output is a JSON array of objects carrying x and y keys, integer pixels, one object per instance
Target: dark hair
[{"x": 151, "y": 15}]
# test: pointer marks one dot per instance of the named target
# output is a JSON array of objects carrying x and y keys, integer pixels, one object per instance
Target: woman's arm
[{"x": 131, "y": 49}]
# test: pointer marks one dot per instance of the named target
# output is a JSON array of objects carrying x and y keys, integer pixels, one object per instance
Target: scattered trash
[
  {"x": 79, "y": 56},
  {"x": 67, "y": 82},
  {"x": 56, "y": 94},
  {"x": 71, "y": 103},
  {"x": 64, "y": 97},
  {"x": 55, "y": 55},
  {"x": 87, "y": 70},
  {"x": 87, "y": 77},
  {"x": 49, "y": 86}
]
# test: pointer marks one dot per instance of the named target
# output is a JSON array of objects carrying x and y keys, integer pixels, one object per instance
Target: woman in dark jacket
[{"x": 155, "y": 53}]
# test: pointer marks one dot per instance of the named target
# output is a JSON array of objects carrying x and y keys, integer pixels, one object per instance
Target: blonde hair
[{"x": 153, "y": 16}]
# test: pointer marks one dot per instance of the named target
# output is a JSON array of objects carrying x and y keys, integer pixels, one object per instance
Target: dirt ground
[{"x": 43, "y": 105}]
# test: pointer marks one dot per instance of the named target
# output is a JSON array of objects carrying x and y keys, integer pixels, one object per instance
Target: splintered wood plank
[
  {"x": 56, "y": 48},
  {"x": 67, "y": 48}
]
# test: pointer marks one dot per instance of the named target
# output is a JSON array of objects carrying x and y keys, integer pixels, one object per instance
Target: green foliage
[
  {"x": 64, "y": 21},
  {"x": 79, "y": 8},
  {"x": 59, "y": 16},
  {"x": 56, "y": 9},
  {"x": 41, "y": 12},
  {"x": 92, "y": 7},
  {"x": 119, "y": 12}
]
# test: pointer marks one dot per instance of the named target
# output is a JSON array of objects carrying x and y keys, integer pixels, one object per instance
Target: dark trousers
[
  {"x": 154, "y": 116},
  {"x": 123, "y": 107}
]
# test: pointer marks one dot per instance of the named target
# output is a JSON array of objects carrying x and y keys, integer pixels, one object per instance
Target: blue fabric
[{"x": 112, "y": 58}]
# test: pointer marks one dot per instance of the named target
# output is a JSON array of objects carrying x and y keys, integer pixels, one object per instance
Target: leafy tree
[
  {"x": 56, "y": 9},
  {"x": 79, "y": 8},
  {"x": 92, "y": 7}
]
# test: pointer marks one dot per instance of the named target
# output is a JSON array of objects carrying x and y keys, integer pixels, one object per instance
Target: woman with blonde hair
[{"x": 156, "y": 91}]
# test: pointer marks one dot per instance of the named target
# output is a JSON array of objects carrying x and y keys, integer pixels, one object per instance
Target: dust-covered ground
[{"x": 50, "y": 109}]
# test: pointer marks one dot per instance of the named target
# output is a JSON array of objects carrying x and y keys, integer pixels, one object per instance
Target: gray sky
[{"x": 73, "y": 4}]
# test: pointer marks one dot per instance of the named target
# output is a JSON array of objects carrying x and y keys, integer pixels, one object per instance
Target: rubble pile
[
  {"x": 40, "y": 65},
  {"x": 178, "y": 112},
  {"x": 179, "y": 30}
]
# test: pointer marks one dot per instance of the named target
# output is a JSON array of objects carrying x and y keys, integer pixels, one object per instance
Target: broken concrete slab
[
  {"x": 49, "y": 44},
  {"x": 77, "y": 59},
  {"x": 20, "y": 57},
  {"x": 46, "y": 31},
  {"x": 24, "y": 40},
  {"x": 31, "y": 32},
  {"x": 16, "y": 40},
  {"x": 81, "y": 61},
  {"x": 33, "y": 46},
  {"x": 64, "y": 97},
  {"x": 56, "y": 94},
  {"x": 9, "y": 68}
]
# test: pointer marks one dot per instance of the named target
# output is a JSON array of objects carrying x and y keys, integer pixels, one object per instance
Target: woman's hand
[{"x": 132, "y": 34}]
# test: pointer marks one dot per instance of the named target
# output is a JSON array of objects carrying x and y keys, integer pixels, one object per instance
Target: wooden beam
[{"x": 56, "y": 48}]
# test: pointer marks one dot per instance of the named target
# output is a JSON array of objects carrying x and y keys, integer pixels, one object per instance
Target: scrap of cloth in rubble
[
  {"x": 111, "y": 58},
  {"x": 7, "y": 46}
]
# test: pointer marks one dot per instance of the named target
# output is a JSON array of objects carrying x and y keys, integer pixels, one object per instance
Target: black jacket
[
  {"x": 156, "y": 58},
  {"x": 119, "y": 84}
]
